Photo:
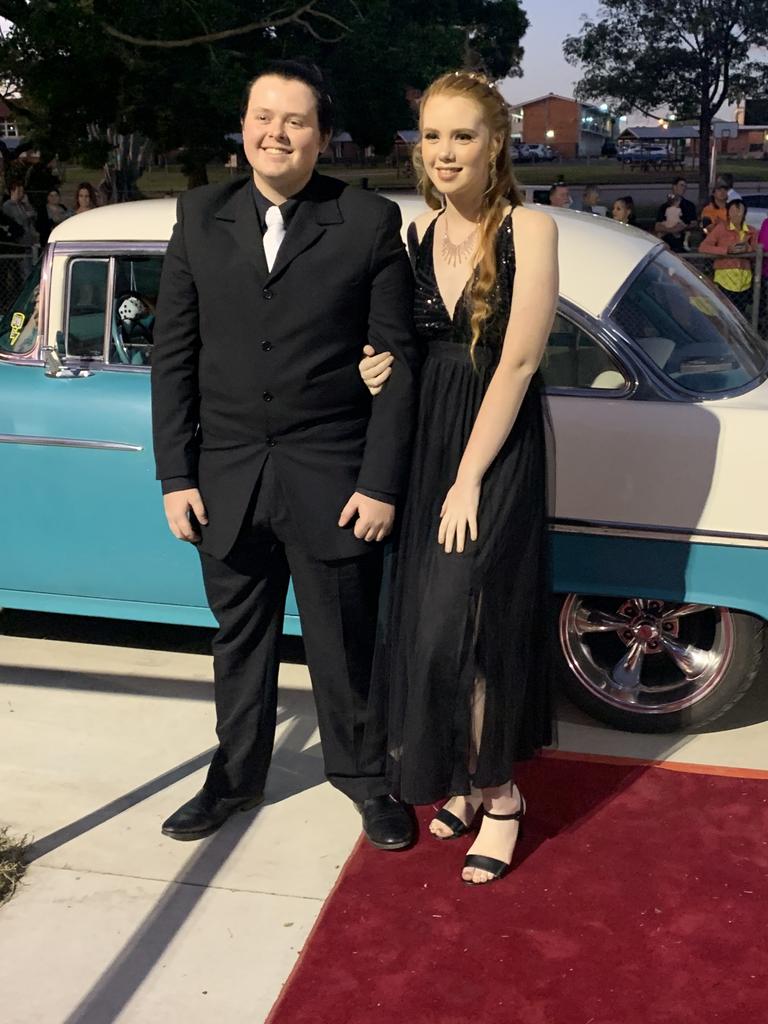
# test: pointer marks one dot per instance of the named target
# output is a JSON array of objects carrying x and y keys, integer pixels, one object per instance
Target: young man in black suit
[{"x": 273, "y": 459}]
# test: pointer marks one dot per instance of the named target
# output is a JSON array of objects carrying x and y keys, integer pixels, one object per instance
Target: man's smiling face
[{"x": 281, "y": 135}]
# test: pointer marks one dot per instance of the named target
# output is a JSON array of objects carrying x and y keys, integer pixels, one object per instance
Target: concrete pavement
[{"x": 114, "y": 922}]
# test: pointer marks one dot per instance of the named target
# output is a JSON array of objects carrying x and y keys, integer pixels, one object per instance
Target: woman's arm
[
  {"x": 716, "y": 241},
  {"x": 534, "y": 301}
]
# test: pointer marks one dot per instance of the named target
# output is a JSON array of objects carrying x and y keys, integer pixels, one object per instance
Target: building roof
[
  {"x": 679, "y": 131},
  {"x": 409, "y": 135},
  {"x": 556, "y": 96}
]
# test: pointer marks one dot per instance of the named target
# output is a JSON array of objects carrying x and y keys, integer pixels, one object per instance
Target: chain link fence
[
  {"x": 752, "y": 303},
  {"x": 16, "y": 262}
]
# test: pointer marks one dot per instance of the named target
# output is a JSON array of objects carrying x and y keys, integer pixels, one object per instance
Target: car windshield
[
  {"x": 680, "y": 321},
  {"x": 18, "y": 326}
]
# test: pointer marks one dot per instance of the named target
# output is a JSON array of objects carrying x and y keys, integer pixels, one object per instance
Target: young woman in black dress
[{"x": 465, "y": 643}]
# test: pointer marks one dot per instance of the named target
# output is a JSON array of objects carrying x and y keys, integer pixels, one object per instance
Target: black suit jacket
[{"x": 250, "y": 364}]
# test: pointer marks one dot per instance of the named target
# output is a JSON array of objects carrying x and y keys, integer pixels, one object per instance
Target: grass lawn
[
  {"x": 602, "y": 171},
  {"x": 11, "y": 863}
]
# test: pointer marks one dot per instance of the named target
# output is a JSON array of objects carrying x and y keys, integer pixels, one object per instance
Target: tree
[
  {"x": 688, "y": 56},
  {"x": 85, "y": 63}
]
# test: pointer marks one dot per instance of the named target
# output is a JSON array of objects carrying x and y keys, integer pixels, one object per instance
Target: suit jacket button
[
  {"x": 266, "y": 346},
  {"x": 267, "y": 396},
  {"x": 267, "y": 293},
  {"x": 271, "y": 442}
]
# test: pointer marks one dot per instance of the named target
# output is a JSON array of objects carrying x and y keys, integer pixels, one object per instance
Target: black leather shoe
[
  {"x": 386, "y": 822},
  {"x": 204, "y": 814}
]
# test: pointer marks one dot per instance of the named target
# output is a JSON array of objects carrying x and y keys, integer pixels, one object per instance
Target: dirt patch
[{"x": 12, "y": 864}]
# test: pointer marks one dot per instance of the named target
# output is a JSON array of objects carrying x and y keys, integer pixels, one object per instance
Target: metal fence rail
[{"x": 753, "y": 303}]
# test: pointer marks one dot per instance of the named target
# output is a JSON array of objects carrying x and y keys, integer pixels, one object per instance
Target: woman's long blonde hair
[{"x": 502, "y": 188}]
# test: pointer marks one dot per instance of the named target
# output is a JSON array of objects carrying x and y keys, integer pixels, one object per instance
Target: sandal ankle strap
[{"x": 516, "y": 816}]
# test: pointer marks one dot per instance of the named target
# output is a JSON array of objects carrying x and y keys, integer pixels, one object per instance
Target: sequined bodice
[{"x": 433, "y": 321}]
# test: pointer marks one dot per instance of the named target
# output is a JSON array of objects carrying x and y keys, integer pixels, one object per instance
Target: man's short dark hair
[
  {"x": 556, "y": 186},
  {"x": 678, "y": 180},
  {"x": 727, "y": 179},
  {"x": 296, "y": 71}
]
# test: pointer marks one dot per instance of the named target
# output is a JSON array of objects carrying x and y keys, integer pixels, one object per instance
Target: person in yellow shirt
[{"x": 731, "y": 240}]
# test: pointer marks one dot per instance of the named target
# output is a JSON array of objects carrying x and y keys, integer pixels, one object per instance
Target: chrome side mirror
[{"x": 53, "y": 366}]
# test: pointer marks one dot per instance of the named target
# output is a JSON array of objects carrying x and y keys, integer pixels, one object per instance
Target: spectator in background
[
  {"x": 715, "y": 211},
  {"x": 671, "y": 226},
  {"x": 623, "y": 210},
  {"x": 19, "y": 209},
  {"x": 590, "y": 198},
  {"x": 733, "y": 275},
  {"x": 54, "y": 213},
  {"x": 728, "y": 181},
  {"x": 87, "y": 198},
  {"x": 560, "y": 195}
]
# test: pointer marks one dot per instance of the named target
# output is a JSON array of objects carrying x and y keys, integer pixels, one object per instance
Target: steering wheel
[{"x": 131, "y": 337}]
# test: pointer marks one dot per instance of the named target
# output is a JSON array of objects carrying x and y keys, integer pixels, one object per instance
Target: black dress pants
[{"x": 338, "y": 603}]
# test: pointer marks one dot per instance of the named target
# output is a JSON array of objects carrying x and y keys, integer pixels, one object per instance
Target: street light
[{"x": 550, "y": 133}]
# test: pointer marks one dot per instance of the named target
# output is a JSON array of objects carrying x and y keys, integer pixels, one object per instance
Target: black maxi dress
[{"x": 451, "y": 618}]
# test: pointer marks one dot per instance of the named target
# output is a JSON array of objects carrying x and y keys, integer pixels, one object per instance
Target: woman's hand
[
  {"x": 459, "y": 515},
  {"x": 375, "y": 369}
]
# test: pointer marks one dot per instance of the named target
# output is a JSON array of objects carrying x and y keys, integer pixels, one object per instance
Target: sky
[{"x": 544, "y": 67}]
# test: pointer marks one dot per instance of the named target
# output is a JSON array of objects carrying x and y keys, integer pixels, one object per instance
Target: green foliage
[
  {"x": 685, "y": 55},
  {"x": 72, "y": 72}
]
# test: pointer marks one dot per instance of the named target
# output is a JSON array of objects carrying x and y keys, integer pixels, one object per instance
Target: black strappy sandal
[
  {"x": 496, "y": 868},
  {"x": 454, "y": 823}
]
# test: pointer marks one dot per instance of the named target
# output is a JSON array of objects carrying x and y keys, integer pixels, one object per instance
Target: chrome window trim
[
  {"x": 668, "y": 388},
  {"x": 69, "y": 442},
  {"x": 81, "y": 360},
  {"x": 117, "y": 248},
  {"x": 655, "y": 531},
  {"x": 603, "y": 338},
  {"x": 109, "y": 302}
]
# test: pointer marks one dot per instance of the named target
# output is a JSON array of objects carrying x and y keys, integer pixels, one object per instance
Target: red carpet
[{"x": 639, "y": 896}]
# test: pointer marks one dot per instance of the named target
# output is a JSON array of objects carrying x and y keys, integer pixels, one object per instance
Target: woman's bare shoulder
[{"x": 532, "y": 221}]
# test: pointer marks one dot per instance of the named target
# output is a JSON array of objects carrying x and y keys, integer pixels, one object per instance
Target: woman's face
[
  {"x": 84, "y": 198},
  {"x": 720, "y": 195},
  {"x": 53, "y": 197},
  {"x": 456, "y": 146},
  {"x": 736, "y": 214},
  {"x": 620, "y": 211}
]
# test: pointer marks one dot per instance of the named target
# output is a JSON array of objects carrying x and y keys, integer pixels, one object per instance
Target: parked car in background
[
  {"x": 658, "y": 391},
  {"x": 757, "y": 208},
  {"x": 533, "y": 152},
  {"x": 642, "y": 155}
]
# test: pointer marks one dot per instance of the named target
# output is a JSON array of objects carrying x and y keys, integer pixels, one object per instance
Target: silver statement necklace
[{"x": 453, "y": 254}]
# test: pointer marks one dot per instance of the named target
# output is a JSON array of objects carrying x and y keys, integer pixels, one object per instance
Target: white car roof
[{"x": 596, "y": 254}]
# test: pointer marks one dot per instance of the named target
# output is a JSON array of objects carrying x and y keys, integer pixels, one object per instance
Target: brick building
[{"x": 572, "y": 128}]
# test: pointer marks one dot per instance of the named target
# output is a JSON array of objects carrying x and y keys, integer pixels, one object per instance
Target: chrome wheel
[{"x": 644, "y": 655}]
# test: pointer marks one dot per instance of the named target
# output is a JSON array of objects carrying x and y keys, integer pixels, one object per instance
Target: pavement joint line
[{"x": 175, "y": 881}]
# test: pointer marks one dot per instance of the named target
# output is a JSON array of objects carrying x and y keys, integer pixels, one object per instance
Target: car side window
[
  {"x": 137, "y": 283},
  {"x": 573, "y": 360},
  {"x": 88, "y": 284}
]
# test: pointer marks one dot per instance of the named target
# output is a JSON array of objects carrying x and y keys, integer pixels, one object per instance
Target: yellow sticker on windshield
[
  {"x": 17, "y": 322},
  {"x": 704, "y": 304}
]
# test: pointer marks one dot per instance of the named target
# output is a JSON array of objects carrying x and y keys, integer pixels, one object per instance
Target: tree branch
[{"x": 296, "y": 17}]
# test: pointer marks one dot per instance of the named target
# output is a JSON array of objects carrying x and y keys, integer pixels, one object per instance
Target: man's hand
[
  {"x": 374, "y": 518},
  {"x": 178, "y": 505}
]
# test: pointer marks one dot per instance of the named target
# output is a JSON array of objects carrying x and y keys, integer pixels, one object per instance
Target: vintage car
[{"x": 659, "y": 401}]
